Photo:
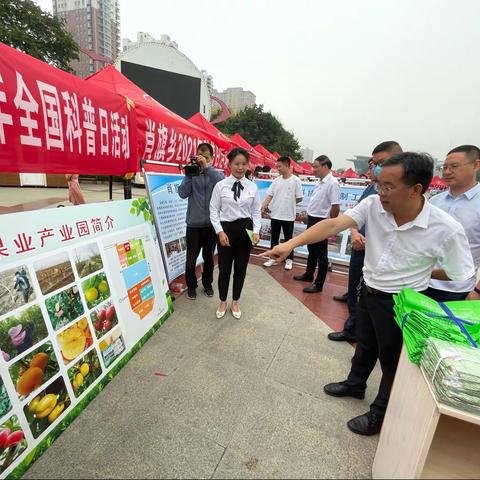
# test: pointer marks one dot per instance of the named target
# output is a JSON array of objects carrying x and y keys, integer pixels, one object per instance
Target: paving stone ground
[{"x": 240, "y": 399}]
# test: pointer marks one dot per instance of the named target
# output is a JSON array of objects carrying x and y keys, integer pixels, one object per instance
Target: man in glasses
[
  {"x": 462, "y": 202},
  {"x": 380, "y": 153},
  {"x": 405, "y": 236}
]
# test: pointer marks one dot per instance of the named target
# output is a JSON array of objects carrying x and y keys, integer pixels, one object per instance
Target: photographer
[{"x": 197, "y": 186}]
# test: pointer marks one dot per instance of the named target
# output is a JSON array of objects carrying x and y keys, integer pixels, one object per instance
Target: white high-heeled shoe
[
  {"x": 219, "y": 314},
  {"x": 237, "y": 315}
]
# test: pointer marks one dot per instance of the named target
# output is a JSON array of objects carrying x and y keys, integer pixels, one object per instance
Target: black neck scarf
[{"x": 236, "y": 189}]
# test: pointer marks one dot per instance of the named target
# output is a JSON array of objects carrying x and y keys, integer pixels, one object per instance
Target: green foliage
[
  {"x": 28, "y": 28},
  {"x": 478, "y": 176},
  {"x": 258, "y": 126},
  {"x": 141, "y": 206},
  {"x": 64, "y": 307},
  {"x": 5, "y": 404}
]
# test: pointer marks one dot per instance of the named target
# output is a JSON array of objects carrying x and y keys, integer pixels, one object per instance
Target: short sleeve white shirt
[
  {"x": 404, "y": 257},
  {"x": 465, "y": 209},
  {"x": 284, "y": 193},
  {"x": 325, "y": 194}
]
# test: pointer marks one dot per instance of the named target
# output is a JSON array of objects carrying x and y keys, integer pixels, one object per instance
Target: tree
[
  {"x": 258, "y": 126},
  {"x": 28, "y": 28}
]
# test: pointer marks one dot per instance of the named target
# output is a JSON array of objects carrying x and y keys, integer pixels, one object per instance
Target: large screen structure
[{"x": 179, "y": 93}]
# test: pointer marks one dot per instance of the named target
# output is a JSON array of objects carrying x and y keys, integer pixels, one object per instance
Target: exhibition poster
[
  {"x": 81, "y": 289},
  {"x": 339, "y": 247},
  {"x": 170, "y": 212}
]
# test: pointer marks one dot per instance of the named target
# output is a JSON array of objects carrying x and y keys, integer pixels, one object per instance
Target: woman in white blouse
[{"x": 234, "y": 209}]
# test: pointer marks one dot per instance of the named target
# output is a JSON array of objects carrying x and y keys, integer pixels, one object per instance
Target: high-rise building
[
  {"x": 95, "y": 26},
  {"x": 237, "y": 99},
  {"x": 307, "y": 154}
]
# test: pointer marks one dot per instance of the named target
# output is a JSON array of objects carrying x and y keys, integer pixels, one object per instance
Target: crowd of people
[{"x": 399, "y": 240}]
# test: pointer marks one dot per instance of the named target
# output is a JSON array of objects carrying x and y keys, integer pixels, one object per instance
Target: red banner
[
  {"x": 54, "y": 122},
  {"x": 162, "y": 135}
]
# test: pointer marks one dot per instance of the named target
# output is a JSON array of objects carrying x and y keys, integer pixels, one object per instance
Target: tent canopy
[
  {"x": 256, "y": 159},
  {"x": 350, "y": 173},
  {"x": 162, "y": 134},
  {"x": 307, "y": 168},
  {"x": 270, "y": 160}
]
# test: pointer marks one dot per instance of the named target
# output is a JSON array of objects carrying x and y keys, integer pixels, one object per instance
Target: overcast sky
[{"x": 342, "y": 76}]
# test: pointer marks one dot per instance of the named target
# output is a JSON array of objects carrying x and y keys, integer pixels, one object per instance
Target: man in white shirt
[
  {"x": 281, "y": 200},
  {"x": 405, "y": 238},
  {"x": 462, "y": 202},
  {"x": 325, "y": 203}
]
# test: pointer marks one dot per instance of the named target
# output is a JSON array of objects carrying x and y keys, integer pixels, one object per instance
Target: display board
[
  {"x": 81, "y": 289},
  {"x": 170, "y": 213},
  {"x": 339, "y": 247}
]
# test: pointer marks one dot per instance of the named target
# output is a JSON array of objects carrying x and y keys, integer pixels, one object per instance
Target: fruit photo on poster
[
  {"x": 16, "y": 288},
  {"x": 21, "y": 331},
  {"x": 65, "y": 306},
  {"x": 84, "y": 372},
  {"x": 87, "y": 259},
  {"x": 12, "y": 442},
  {"x": 74, "y": 340},
  {"x": 96, "y": 289},
  {"x": 33, "y": 370},
  {"x": 43, "y": 410},
  {"x": 112, "y": 346},
  {"x": 104, "y": 318},
  {"x": 54, "y": 272},
  {"x": 5, "y": 403}
]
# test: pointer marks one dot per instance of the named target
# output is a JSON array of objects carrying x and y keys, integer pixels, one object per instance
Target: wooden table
[{"x": 422, "y": 438}]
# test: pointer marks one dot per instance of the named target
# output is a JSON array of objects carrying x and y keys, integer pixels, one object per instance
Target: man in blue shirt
[
  {"x": 380, "y": 153},
  {"x": 462, "y": 202}
]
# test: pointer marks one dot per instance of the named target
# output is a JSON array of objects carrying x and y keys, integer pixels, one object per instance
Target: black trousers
[
  {"x": 276, "y": 227},
  {"x": 355, "y": 271},
  {"x": 378, "y": 336},
  {"x": 236, "y": 256},
  {"x": 445, "y": 296},
  {"x": 201, "y": 238},
  {"x": 317, "y": 256}
]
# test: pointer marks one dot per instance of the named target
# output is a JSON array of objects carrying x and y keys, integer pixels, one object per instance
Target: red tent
[
  {"x": 270, "y": 160},
  {"x": 200, "y": 121},
  {"x": 256, "y": 159},
  {"x": 335, "y": 174},
  {"x": 349, "y": 173},
  {"x": 276, "y": 155},
  {"x": 307, "y": 168},
  {"x": 438, "y": 183},
  {"x": 162, "y": 135}
]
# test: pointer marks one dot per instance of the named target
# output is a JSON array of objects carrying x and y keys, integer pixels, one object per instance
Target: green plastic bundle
[
  {"x": 454, "y": 373},
  {"x": 420, "y": 318}
]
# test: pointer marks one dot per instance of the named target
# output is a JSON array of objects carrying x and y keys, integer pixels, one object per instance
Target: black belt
[{"x": 374, "y": 291}]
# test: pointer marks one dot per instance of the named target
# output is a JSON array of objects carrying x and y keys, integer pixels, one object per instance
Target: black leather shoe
[
  {"x": 341, "y": 298},
  {"x": 312, "y": 289},
  {"x": 303, "y": 278},
  {"x": 192, "y": 293},
  {"x": 208, "y": 291},
  {"x": 367, "y": 424},
  {"x": 340, "y": 337},
  {"x": 341, "y": 390}
]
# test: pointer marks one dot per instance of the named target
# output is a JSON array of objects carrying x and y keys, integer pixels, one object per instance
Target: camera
[{"x": 192, "y": 170}]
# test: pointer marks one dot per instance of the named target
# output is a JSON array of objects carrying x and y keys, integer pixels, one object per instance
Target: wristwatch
[{"x": 476, "y": 290}]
